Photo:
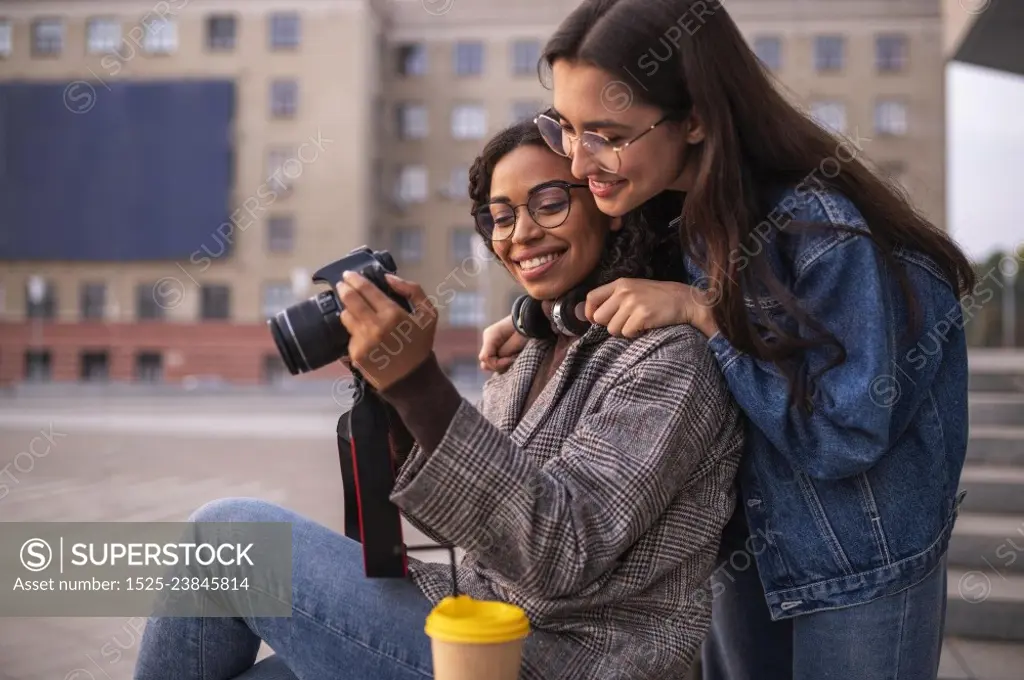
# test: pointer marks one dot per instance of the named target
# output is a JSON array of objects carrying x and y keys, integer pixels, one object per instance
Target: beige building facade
[{"x": 355, "y": 124}]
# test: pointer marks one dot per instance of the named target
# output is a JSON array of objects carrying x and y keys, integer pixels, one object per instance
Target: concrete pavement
[{"x": 151, "y": 460}]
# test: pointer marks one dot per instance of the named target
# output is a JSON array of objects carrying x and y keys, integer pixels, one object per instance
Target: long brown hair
[{"x": 688, "y": 55}]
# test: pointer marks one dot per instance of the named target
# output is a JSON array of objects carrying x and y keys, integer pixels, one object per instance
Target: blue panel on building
[{"x": 146, "y": 173}]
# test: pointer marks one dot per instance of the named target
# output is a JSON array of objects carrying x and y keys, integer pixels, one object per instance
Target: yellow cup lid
[{"x": 463, "y": 619}]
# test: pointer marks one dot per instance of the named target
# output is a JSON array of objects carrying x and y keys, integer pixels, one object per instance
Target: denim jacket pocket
[
  {"x": 825, "y": 530},
  {"x": 875, "y": 518}
]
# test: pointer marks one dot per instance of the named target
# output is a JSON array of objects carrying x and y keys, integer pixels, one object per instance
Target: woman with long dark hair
[
  {"x": 590, "y": 487},
  {"x": 833, "y": 308}
]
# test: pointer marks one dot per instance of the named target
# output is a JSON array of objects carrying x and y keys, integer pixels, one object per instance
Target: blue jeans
[
  {"x": 898, "y": 637},
  {"x": 343, "y": 626}
]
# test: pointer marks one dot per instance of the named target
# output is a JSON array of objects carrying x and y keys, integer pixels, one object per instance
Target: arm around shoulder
[{"x": 556, "y": 527}]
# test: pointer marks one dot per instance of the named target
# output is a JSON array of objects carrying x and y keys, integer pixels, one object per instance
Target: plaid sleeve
[
  {"x": 556, "y": 527},
  {"x": 423, "y": 528}
]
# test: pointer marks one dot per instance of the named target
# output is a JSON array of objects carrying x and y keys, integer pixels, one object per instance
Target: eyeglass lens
[
  {"x": 548, "y": 207},
  {"x": 560, "y": 142}
]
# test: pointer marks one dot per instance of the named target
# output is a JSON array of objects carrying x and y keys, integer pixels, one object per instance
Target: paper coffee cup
[{"x": 476, "y": 639}]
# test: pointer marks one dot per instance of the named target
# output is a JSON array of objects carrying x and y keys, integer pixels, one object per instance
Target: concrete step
[
  {"x": 996, "y": 408},
  {"x": 981, "y": 660},
  {"x": 993, "y": 489},
  {"x": 996, "y": 445},
  {"x": 988, "y": 542},
  {"x": 996, "y": 382},
  {"x": 985, "y": 604}
]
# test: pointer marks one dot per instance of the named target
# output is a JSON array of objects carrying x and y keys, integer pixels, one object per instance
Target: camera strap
[{"x": 368, "y": 477}]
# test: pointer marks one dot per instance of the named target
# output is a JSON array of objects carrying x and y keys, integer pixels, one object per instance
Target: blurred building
[
  {"x": 985, "y": 33},
  {"x": 173, "y": 172}
]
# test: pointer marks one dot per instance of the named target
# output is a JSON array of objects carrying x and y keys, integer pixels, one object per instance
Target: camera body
[{"x": 309, "y": 334}]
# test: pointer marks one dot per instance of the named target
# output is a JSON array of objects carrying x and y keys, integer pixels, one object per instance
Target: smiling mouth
[{"x": 535, "y": 262}]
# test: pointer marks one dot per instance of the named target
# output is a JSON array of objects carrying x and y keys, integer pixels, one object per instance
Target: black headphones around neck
[{"x": 529, "y": 318}]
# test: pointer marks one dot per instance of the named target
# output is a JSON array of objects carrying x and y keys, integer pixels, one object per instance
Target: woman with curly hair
[{"x": 590, "y": 488}]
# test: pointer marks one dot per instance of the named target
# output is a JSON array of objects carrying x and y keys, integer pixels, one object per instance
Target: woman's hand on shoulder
[
  {"x": 501, "y": 344},
  {"x": 387, "y": 343},
  {"x": 628, "y": 307}
]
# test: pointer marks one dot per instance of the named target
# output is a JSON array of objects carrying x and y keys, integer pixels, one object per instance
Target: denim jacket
[{"x": 857, "y": 500}]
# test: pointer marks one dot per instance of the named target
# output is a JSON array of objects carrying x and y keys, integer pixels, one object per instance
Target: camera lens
[
  {"x": 309, "y": 334},
  {"x": 385, "y": 259}
]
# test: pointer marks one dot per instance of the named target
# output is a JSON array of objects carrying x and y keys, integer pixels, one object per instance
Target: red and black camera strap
[{"x": 368, "y": 477}]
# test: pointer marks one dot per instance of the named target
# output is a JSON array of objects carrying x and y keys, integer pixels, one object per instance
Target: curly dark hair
[{"x": 641, "y": 249}]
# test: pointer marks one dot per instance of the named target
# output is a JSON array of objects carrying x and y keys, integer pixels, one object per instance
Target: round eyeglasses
[
  {"x": 598, "y": 146},
  {"x": 548, "y": 205}
]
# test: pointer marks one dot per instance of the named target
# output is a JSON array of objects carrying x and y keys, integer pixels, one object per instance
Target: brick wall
[{"x": 234, "y": 352}]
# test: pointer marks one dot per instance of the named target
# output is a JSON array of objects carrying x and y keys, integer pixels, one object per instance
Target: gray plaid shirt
[{"x": 599, "y": 511}]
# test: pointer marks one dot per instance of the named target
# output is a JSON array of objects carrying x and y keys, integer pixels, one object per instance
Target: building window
[
  {"x": 94, "y": 365},
  {"x": 161, "y": 36},
  {"x": 768, "y": 49},
  {"x": 525, "y": 57},
  {"x": 412, "y": 121},
  {"x": 277, "y": 170},
  {"x": 281, "y": 234},
  {"x": 149, "y": 301},
  {"x": 6, "y": 39},
  {"x": 274, "y": 370},
  {"x": 277, "y": 295},
  {"x": 830, "y": 114},
  {"x": 409, "y": 244},
  {"x": 93, "y": 300},
  {"x": 458, "y": 183},
  {"x": 890, "y": 117},
  {"x": 47, "y": 37},
  {"x": 525, "y": 109},
  {"x": 891, "y": 53},
  {"x": 149, "y": 367},
  {"x": 469, "y": 58},
  {"x": 828, "y": 52},
  {"x": 103, "y": 35},
  {"x": 469, "y": 121},
  {"x": 220, "y": 32},
  {"x": 412, "y": 184},
  {"x": 462, "y": 243},
  {"x": 38, "y": 365},
  {"x": 284, "y": 97},
  {"x": 215, "y": 302},
  {"x": 412, "y": 59},
  {"x": 40, "y": 303},
  {"x": 467, "y": 310},
  {"x": 284, "y": 30}
]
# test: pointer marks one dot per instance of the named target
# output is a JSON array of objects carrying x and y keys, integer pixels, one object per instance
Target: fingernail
[{"x": 348, "y": 274}]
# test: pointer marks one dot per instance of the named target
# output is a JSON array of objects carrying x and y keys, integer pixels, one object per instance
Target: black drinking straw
[{"x": 451, "y": 558}]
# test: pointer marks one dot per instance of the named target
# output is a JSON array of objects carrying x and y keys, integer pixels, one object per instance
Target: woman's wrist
[
  {"x": 704, "y": 318},
  {"x": 426, "y": 400}
]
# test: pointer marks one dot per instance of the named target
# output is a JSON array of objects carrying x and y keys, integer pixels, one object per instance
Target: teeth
[{"x": 535, "y": 262}]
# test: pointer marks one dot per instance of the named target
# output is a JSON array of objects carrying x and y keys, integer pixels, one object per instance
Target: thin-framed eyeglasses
[
  {"x": 549, "y": 204},
  {"x": 597, "y": 145}
]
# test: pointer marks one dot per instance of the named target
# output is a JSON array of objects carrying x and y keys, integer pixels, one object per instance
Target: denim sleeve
[{"x": 846, "y": 433}]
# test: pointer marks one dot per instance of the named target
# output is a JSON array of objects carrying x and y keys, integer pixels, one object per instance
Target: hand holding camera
[
  {"x": 386, "y": 341},
  {"x": 388, "y": 334}
]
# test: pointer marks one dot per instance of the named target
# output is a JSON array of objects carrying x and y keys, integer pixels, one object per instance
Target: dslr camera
[{"x": 309, "y": 334}]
